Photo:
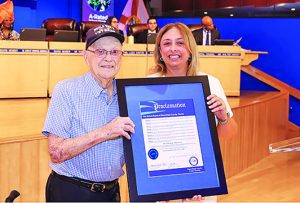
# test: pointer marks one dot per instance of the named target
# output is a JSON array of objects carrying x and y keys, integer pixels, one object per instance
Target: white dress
[{"x": 215, "y": 88}]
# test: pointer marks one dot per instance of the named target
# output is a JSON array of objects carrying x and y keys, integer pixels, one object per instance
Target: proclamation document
[{"x": 171, "y": 137}]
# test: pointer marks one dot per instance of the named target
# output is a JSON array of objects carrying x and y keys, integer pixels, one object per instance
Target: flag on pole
[
  {"x": 134, "y": 10},
  {"x": 6, "y": 10}
]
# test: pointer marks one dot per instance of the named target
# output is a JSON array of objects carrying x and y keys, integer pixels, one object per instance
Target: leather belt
[{"x": 93, "y": 186}]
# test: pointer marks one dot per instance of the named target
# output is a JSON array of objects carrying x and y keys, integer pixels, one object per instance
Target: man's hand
[{"x": 118, "y": 127}]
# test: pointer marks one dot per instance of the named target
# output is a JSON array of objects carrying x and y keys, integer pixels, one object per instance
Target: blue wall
[
  {"x": 31, "y": 13},
  {"x": 278, "y": 36}
]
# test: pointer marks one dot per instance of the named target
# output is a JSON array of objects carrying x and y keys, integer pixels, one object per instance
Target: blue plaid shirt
[{"x": 79, "y": 106}]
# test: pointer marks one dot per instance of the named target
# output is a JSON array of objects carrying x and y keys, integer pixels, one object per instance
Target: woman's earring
[
  {"x": 190, "y": 59},
  {"x": 161, "y": 59}
]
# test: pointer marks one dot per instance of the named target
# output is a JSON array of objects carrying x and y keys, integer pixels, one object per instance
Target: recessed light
[
  {"x": 282, "y": 4},
  {"x": 178, "y": 11}
]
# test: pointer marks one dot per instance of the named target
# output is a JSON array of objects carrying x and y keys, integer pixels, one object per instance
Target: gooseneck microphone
[{"x": 12, "y": 196}]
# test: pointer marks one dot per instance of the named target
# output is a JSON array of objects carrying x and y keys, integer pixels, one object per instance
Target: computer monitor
[
  {"x": 151, "y": 38},
  {"x": 226, "y": 42},
  {"x": 33, "y": 34},
  {"x": 65, "y": 36}
]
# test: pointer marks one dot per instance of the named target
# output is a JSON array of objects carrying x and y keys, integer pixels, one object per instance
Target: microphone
[
  {"x": 237, "y": 41},
  {"x": 12, "y": 196}
]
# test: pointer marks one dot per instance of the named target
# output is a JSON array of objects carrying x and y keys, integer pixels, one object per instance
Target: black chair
[
  {"x": 85, "y": 26},
  {"x": 52, "y": 24},
  {"x": 135, "y": 29}
]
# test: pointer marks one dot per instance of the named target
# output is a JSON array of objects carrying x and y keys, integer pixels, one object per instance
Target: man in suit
[
  {"x": 141, "y": 38},
  {"x": 207, "y": 34}
]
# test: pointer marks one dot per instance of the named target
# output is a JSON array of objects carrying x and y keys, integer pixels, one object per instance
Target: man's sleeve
[
  {"x": 196, "y": 36},
  {"x": 59, "y": 116}
]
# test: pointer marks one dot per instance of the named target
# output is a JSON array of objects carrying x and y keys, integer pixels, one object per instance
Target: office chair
[{"x": 52, "y": 24}]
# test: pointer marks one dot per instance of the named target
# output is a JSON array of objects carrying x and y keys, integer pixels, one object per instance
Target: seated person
[
  {"x": 113, "y": 21},
  {"x": 6, "y": 28},
  {"x": 141, "y": 38},
  {"x": 207, "y": 34}
]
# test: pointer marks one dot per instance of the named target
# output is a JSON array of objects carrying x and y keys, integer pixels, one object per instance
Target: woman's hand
[
  {"x": 217, "y": 106},
  {"x": 197, "y": 198},
  {"x": 227, "y": 126}
]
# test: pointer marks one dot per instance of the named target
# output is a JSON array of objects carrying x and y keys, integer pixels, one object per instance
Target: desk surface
[{"x": 274, "y": 179}]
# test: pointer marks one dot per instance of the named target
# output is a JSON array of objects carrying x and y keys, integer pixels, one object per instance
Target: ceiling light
[{"x": 281, "y": 4}]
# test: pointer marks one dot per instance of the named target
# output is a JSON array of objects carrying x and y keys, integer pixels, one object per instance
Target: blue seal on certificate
[
  {"x": 153, "y": 154},
  {"x": 193, "y": 161}
]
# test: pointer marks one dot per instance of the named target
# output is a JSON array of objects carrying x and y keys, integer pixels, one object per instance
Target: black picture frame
[{"x": 142, "y": 187}]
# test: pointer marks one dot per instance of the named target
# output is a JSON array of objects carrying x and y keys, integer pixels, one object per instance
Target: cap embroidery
[{"x": 103, "y": 28}]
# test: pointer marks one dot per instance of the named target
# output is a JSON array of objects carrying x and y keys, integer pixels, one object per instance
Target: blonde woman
[{"x": 175, "y": 55}]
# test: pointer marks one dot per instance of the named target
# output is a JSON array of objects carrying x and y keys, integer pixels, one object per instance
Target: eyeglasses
[{"x": 103, "y": 52}]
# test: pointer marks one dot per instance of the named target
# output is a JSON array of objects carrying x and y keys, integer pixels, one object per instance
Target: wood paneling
[
  {"x": 273, "y": 2},
  {"x": 65, "y": 60},
  {"x": 256, "y": 3},
  {"x": 23, "y": 169},
  {"x": 24, "y": 159},
  {"x": 23, "y": 150},
  {"x": 293, "y": 130},
  {"x": 226, "y": 3},
  {"x": 63, "y": 63},
  {"x": 21, "y": 119},
  {"x": 201, "y": 4},
  {"x": 24, "y": 69},
  {"x": 259, "y": 124},
  {"x": 171, "y": 5}
]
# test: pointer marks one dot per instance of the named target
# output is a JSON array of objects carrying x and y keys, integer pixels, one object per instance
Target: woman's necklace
[{"x": 9, "y": 36}]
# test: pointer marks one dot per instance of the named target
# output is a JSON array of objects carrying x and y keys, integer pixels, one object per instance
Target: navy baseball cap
[{"x": 102, "y": 30}]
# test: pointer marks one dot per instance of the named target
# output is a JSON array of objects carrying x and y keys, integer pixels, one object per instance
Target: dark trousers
[{"x": 58, "y": 190}]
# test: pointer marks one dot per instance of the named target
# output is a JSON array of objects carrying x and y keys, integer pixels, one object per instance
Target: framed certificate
[{"x": 175, "y": 150}]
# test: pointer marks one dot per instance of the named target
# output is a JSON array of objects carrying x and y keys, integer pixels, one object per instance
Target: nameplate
[
  {"x": 60, "y": 51},
  {"x": 23, "y": 50},
  {"x": 135, "y": 52},
  {"x": 218, "y": 54}
]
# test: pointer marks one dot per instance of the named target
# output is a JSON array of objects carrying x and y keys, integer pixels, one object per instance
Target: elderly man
[
  {"x": 207, "y": 34},
  {"x": 83, "y": 128}
]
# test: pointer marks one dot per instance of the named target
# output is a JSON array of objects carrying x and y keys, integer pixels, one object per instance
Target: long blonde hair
[{"x": 189, "y": 42}]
